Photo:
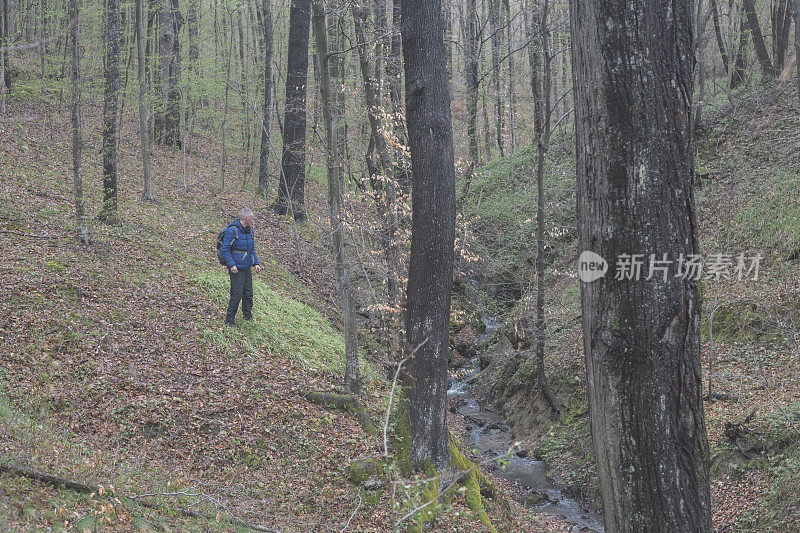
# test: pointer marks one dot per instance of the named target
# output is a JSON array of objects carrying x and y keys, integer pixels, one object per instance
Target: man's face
[{"x": 249, "y": 221}]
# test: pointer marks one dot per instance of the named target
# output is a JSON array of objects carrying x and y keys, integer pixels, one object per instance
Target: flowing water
[{"x": 489, "y": 433}]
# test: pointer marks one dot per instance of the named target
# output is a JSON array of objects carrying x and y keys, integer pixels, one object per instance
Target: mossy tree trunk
[
  {"x": 635, "y": 163},
  {"x": 430, "y": 274}
]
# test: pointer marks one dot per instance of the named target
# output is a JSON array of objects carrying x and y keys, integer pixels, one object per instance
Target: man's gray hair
[{"x": 245, "y": 212}]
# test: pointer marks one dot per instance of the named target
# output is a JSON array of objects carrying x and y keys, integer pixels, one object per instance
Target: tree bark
[
  {"x": 352, "y": 374},
  {"x": 433, "y": 229},
  {"x": 718, "y": 35},
  {"x": 168, "y": 119},
  {"x": 471, "y": 52},
  {"x": 781, "y": 18},
  {"x": 266, "y": 126},
  {"x": 108, "y": 211},
  {"x": 385, "y": 187},
  {"x": 497, "y": 47},
  {"x": 291, "y": 191},
  {"x": 738, "y": 74},
  {"x": 77, "y": 127},
  {"x": 394, "y": 77},
  {"x": 635, "y": 161},
  {"x": 797, "y": 44},
  {"x": 144, "y": 117},
  {"x": 543, "y": 144},
  {"x": 767, "y": 68}
]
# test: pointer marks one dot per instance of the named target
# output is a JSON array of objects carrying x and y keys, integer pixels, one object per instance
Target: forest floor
[{"x": 116, "y": 370}]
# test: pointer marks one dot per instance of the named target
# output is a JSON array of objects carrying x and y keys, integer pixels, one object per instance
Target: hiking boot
[{"x": 230, "y": 324}]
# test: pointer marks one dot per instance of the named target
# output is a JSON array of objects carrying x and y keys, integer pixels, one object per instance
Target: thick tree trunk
[
  {"x": 352, "y": 374},
  {"x": 635, "y": 162},
  {"x": 144, "y": 118},
  {"x": 266, "y": 126},
  {"x": 168, "y": 119},
  {"x": 77, "y": 127},
  {"x": 471, "y": 52},
  {"x": 767, "y": 68},
  {"x": 108, "y": 211},
  {"x": 430, "y": 274},
  {"x": 291, "y": 191}
]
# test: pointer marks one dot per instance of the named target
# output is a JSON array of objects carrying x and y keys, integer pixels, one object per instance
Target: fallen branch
[
  {"x": 88, "y": 488},
  {"x": 30, "y": 234},
  {"x": 343, "y": 401}
]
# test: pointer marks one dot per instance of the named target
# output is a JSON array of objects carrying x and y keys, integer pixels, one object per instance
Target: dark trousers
[{"x": 241, "y": 290}]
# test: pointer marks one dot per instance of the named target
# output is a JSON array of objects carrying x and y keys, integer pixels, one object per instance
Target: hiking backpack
[{"x": 221, "y": 237}]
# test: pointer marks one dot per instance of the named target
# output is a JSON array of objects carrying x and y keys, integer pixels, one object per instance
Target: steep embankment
[{"x": 748, "y": 201}]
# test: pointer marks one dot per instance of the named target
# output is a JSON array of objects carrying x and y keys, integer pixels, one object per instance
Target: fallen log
[
  {"x": 345, "y": 402},
  {"x": 88, "y": 488}
]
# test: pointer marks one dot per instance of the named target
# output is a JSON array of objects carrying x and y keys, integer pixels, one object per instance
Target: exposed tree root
[
  {"x": 343, "y": 401},
  {"x": 87, "y": 488}
]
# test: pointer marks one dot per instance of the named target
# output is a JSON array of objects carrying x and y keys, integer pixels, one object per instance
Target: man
[{"x": 239, "y": 251}]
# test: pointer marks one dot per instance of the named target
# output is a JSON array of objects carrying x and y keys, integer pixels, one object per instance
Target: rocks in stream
[{"x": 466, "y": 342}]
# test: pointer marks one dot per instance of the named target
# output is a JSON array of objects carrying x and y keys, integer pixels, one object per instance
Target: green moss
[
  {"x": 53, "y": 265},
  {"x": 472, "y": 482}
]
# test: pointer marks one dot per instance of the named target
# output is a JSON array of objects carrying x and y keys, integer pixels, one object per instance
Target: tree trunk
[
  {"x": 352, "y": 374},
  {"x": 471, "y": 75},
  {"x": 394, "y": 77},
  {"x": 635, "y": 162},
  {"x": 168, "y": 119},
  {"x": 781, "y": 18},
  {"x": 291, "y": 191},
  {"x": 266, "y": 126},
  {"x": 797, "y": 44},
  {"x": 144, "y": 118},
  {"x": 3, "y": 79},
  {"x": 430, "y": 273},
  {"x": 767, "y": 68},
  {"x": 718, "y": 35},
  {"x": 542, "y": 144},
  {"x": 386, "y": 189},
  {"x": 77, "y": 127},
  {"x": 738, "y": 74},
  {"x": 5, "y": 56},
  {"x": 108, "y": 211},
  {"x": 531, "y": 23},
  {"x": 497, "y": 47}
]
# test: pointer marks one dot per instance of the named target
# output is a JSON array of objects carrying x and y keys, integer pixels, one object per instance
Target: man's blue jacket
[{"x": 242, "y": 254}]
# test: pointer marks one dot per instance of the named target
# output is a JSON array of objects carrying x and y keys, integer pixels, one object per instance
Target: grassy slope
[
  {"x": 115, "y": 369},
  {"x": 749, "y": 202}
]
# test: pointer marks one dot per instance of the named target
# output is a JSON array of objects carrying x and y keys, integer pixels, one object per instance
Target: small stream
[{"x": 489, "y": 433}]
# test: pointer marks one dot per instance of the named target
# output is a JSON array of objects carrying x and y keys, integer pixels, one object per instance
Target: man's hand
[
  {"x": 234, "y": 270},
  {"x": 258, "y": 268}
]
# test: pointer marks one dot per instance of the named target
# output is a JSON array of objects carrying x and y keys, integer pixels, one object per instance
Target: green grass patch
[{"x": 281, "y": 324}]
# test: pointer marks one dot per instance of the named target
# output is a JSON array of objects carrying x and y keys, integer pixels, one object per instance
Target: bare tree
[
  {"x": 263, "y": 160},
  {"x": 635, "y": 164},
  {"x": 430, "y": 275},
  {"x": 167, "y": 120},
  {"x": 471, "y": 56},
  {"x": 352, "y": 375},
  {"x": 144, "y": 112},
  {"x": 108, "y": 211},
  {"x": 767, "y": 68},
  {"x": 77, "y": 127}
]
